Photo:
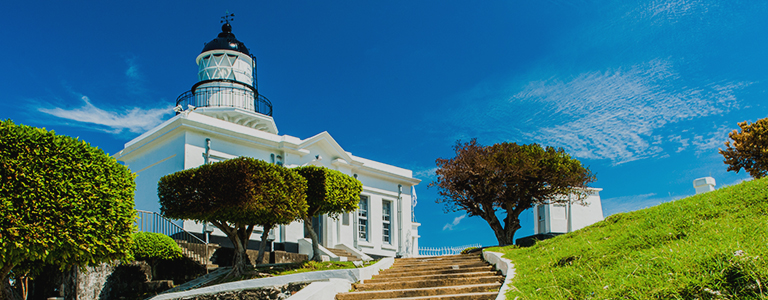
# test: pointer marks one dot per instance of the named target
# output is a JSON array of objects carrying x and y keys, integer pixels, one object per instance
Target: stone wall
[
  {"x": 223, "y": 257},
  {"x": 268, "y": 293},
  {"x": 115, "y": 280}
]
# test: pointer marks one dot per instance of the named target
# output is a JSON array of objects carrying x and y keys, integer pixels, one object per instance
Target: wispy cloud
[
  {"x": 426, "y": 174},
  {"x": 456, "y": 221},
  {"x": 614, "y": 114},
  {"x": 634, "y": 202},
  {"x": 616, "y": 88},
  {"x": 133, "y": 69},
  {"x": 133, "y": 119},
  {"x": 135, "y": 81}
]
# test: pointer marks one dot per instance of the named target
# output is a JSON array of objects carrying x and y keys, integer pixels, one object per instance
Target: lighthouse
[
  {"x": 224, "y": 116},
  {"x": 227, "y": 88}
]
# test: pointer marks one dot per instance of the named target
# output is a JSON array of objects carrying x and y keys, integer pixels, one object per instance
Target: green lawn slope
[{"x": 708, "y": 246}]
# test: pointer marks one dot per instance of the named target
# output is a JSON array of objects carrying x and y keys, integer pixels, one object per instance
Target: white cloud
[
  {"x": 615, "y": 114},
  {"x": 456, "y": 221},
  {"x": 426, "y": 173},
  {"x": 133, "y": 119}
]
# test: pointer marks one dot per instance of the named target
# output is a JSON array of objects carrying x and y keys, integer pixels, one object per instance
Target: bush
[
  {"x": 151, "y": 246},
  {"x": 468, "y": 250},
  {"x": 62, "y": 202}
]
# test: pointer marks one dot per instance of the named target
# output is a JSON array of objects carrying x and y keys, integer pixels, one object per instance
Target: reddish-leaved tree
[
  {"x": 749, "y": 149},
  {"x": 483, "y": 180}
]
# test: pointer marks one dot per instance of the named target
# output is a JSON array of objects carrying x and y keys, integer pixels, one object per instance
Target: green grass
[
  {"x": 311, "y": 266},
  {"x": 263, "y": 271},
  {"x": 708, "y": 246}
]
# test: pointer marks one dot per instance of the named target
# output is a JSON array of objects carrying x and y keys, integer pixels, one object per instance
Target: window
[
  {"x": 386, "y": 218},
  {"x": 362, "y": 216}
]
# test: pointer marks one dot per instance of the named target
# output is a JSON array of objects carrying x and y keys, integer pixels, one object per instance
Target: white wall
[
  {"x": 163, "y": 157},
  {"x": 582, "y": 214},
  {"x": 181, "y": 143}
]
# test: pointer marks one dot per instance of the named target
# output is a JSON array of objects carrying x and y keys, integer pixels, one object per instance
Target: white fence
[{"x": 440, "y": 251}]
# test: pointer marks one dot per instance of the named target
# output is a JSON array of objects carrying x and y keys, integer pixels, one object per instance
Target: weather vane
[{"x": 227, "y": 17}]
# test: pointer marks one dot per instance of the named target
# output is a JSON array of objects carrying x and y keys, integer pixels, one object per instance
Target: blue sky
[{"x": 643, "y": 92}]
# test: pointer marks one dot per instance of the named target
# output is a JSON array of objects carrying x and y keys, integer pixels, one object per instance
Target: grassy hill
[{"x": 708, "y": 246}]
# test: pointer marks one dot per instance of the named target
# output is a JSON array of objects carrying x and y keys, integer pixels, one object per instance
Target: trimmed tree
[
  {"x": 235, "y": 195},
  {"x": 62, "y": 202},
  {"x": 328, "y": 192},
  {"x": 749, "y": 149},
  {"x": 153, "y": 247},
  {"x": 482, "y": 180}
]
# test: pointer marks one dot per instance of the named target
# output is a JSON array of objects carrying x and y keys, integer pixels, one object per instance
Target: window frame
[
  {"x": 363, "y": 212},
  {"x": 386, "y": 221}
]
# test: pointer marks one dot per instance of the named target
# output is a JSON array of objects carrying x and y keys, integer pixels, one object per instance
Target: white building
[
  {"x": 559, "y": 218},
  {"x": 223, "y": 116},
  {"x": 704, "y": 184}
]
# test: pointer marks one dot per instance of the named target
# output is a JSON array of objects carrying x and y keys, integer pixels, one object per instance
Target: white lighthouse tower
[
  {"x": 223, "y": 116},
  {"x": 227, "y": 88}
]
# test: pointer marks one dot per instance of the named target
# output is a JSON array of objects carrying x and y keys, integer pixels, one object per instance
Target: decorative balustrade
[{"x": 442, "y": 251}]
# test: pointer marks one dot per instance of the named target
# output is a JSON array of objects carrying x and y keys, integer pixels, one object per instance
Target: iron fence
[
  {"x": 226, "y": 96},
  {"x": 191, "y": 245}
]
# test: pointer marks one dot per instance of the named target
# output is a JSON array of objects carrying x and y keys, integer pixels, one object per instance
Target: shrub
[
  {"x": 468, "y": 250},
  {"x": 154, "y": 247},
  {"x": 151, "y": 246},
  {"x": 62, "y": 202}
]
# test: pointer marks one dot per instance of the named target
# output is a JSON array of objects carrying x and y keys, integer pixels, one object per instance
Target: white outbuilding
[
  {"x": 559, "y": 218},
  {"x": 553, "y": 219},
  {"x": 224, "y": 116}
]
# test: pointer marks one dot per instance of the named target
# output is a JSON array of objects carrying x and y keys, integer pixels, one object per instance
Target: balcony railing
[{"x": 217, "y": 96}]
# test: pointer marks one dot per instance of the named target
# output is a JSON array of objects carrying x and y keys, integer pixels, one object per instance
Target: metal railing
[
  {"x": 226, "y": 96},
  {"x": 441, "y": 251},
  {"x": 192, "y": 246}
]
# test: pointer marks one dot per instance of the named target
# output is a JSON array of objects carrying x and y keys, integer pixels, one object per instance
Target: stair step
[
  {"x": 410, "y": 284},
  {"x": 435, "y": 272},
  {"x": 432, "y": 257},
  {"x": 378, "y": 279},
  {"x": 435, "y": 259},
  {"x": 420, "y": 292},
  {"x": 435, "y": 268},
  {"x": 343, "y": 253},
  {"x": 467, "y": 296},
  {"x": 436, "y": 263},
  {"x": 460, "y": 265}
]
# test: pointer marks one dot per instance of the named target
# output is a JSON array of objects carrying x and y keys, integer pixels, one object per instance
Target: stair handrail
[{"x": 161, "y": 224}]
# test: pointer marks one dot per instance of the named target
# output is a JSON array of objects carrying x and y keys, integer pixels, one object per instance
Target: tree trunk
[
  {"x": 313, "y": 235},
  {"x": 504, "y": 234},
  {"x": 6, "y": 291},
  {"x": 239, "y": 237},
  {"x": 240, "y": 258},
  {"x": 263, "y": 244}
]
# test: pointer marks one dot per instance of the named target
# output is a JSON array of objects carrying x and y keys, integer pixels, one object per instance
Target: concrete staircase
[
  {"x": 197, "y": 253},
  {"x": 457, "y": 277},
  {"x": 344, "y": 253}
]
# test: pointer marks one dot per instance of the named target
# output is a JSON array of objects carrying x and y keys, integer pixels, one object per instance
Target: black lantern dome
[{"x": 226, "y": 41}]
